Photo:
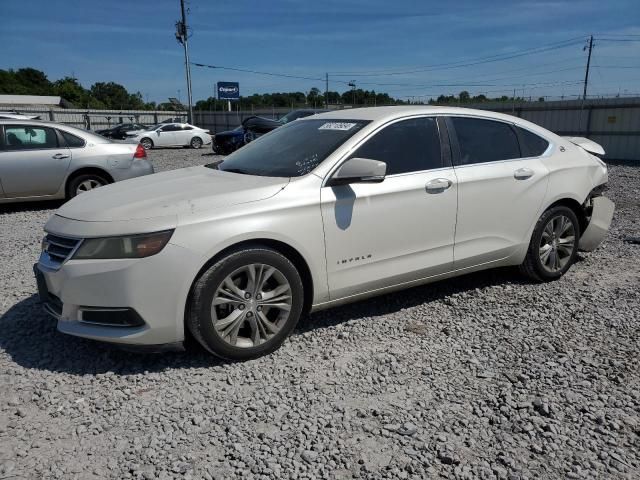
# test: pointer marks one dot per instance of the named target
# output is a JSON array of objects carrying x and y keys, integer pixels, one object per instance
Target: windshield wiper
[
  {"x": 237, "y": 170},
  {"x": 214, "y": 165}
]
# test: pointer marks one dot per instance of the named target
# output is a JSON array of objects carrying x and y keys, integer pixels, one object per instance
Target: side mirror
[{"x": 359, "y": 170}]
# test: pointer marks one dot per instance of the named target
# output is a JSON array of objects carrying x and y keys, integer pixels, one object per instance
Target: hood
[
  {"x": 260, "y": 124},
  {"x": 230, "y": 133},
  {"x": 170, "y": 194}
]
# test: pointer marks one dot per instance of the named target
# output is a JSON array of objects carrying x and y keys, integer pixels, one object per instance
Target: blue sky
[{"x": 132, "y": 43}]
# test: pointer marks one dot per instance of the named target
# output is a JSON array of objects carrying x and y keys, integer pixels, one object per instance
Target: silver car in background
[{"x": 44, "y": 161}]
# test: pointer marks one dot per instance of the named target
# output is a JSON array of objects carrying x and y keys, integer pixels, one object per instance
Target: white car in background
[
  {"x": 171, "y": 135},
  {"x": 326, "y": 210}
]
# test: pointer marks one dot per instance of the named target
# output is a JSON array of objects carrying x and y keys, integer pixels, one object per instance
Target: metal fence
[
  {"x": 612, "y": 122},
  {"x": 98, "y": 119},
  {"x": 217, "y": 122}
]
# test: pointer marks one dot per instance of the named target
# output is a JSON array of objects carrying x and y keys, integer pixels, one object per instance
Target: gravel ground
[{"x": 484, "y": 376}]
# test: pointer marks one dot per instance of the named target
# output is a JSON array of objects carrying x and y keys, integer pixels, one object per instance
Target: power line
[
  {"x": 461, "y": 64},
  {"x": 244, "y": 70},
  {"x": 530, "y": 86},
  {"x": 616, "y": 66},
  {"x": 618, "y": 34},
  {"x": 618, "y": 39}
]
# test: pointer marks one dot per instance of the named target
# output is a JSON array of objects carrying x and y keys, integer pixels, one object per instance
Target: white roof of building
[{"x": 30, "y": 100}]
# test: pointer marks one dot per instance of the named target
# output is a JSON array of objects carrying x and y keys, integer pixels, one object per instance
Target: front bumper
[
  {"x": 155, "y": 288},
  {"x": 601, "y": 216}
]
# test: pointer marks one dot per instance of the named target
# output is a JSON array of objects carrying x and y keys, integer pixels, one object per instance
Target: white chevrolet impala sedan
[{"x": 326, "y": 210}]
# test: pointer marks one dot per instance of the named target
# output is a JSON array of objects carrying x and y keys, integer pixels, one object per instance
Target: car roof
[
  {"x": 385, "y": 114},
  {"x": 62, "y": 126},
  {"x": 24, "y": 121}
]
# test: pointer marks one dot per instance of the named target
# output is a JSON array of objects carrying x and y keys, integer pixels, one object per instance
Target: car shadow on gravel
[
  {"x": 31, "y": 206},
  {"x": 30, "y": 338},
  {"x": 424, "y": 294}
]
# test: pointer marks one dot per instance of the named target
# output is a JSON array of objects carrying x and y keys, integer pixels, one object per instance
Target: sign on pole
[{"x": 228, "y": 91}]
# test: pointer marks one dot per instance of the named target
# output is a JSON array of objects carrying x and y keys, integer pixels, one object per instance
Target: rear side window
[
  {"x": 72, "y": 140},
  {"x": 407, "y": 146},
  {"x": 482, "y": 141},
  {"x": 531, "y": 144},
  {"x": 28, "y": 137}
]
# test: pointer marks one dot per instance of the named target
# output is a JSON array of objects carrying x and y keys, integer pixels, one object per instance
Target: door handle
[
  {"x": 438, "y": 185},
  {"x": 60, "y": 156},
  {"x": 523, "y": 173}
]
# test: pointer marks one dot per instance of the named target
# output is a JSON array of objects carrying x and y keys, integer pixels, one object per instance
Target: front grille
[{"x": 56, "y": 250}]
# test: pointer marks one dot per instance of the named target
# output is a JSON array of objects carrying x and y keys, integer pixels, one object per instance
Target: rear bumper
[
  {"x": 139, "y": 168},
  {"x": 601, "y": 216}
]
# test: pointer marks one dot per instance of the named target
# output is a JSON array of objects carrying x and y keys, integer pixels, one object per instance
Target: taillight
[{"x": 140, "y": 152}]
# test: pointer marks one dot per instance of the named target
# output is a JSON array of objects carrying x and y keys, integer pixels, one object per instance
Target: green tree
[
  {"x": 69, "y": 89},
  {"x": 34, "y": 81},
  {"x": 112, "y": 95}
]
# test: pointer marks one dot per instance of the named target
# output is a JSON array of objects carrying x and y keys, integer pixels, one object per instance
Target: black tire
[
  {"x": 199, "y": 317},
  {"x": 532, "y": 266},
  {"x": 75, "y": 185},
  {"x": 196, "y": 143},
  {"x": 146, "y": 143}
]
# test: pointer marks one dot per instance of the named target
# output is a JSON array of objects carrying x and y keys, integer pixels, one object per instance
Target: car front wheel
[
  {"x": 554, "y": 245},
  {"x": 246, "y": 304},
  {"x": 196, "y": 142}
]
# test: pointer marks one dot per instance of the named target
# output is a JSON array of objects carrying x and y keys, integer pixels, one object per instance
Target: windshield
[
  {"x": 292, "y": 150},
  {"x": 288, "y": 117}
]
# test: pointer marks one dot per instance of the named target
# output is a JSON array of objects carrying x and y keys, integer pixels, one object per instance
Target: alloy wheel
[
  {"x": 88, "y": 184},
  {"x": 557, "y": 243},
  {"x": 251, "y": 305},
  {"x": 196, "y": 143}
]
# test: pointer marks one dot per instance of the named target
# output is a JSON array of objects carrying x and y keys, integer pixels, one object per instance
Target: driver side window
[{"x": 406, "y": 146}]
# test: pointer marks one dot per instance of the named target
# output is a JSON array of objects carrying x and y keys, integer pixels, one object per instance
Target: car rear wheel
[
  {"x": 146, "y": 143},
  {"x": 196, "y": 142},
  {"x": 85, "y": 183},
  {"x": 554, "y": 245},
  {"x": 246, "y": 304}
]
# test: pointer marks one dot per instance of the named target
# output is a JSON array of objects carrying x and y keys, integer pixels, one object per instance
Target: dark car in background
[
  {"x": 119, "y": 132},
  {"x": 251, "y": 128}
]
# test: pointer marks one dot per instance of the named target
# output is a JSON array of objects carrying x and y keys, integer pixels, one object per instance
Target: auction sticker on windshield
[{"x": 337, "y": 126}]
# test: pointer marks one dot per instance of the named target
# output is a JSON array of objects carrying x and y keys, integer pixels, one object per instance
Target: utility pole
[
  {"x": 182, "y": 37},
  {"x": 586, "y": 73},
  {"x": 326, "y": 90},
  {"x": 352, "y": 84}
]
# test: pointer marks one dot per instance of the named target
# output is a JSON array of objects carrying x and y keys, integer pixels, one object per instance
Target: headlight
[{"x": 130, "y": 246}]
